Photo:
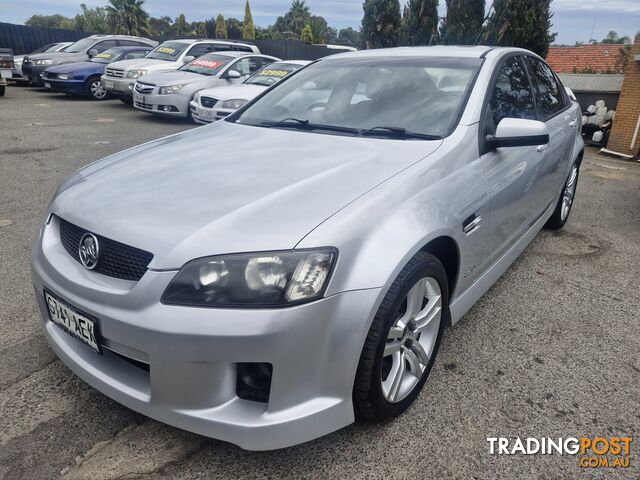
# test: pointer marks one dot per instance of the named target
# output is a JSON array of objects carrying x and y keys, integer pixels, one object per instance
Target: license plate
[
  {"x": 138, "y": 98},
  {"x": 47, "y": 84},
  {"x": 204, "y": 113},
  {"x": 72, "y": 321},
  {"x": 108, "y": 84}
]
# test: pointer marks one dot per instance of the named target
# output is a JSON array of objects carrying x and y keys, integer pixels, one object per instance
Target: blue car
[{"x": 83, "y": 78}]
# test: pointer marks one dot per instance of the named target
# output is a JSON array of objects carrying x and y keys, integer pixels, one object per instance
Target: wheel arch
[{"x": 446, "y": 249}]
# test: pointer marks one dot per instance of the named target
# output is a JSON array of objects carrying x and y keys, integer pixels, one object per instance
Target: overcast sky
[{"x": 573, "y": 19}]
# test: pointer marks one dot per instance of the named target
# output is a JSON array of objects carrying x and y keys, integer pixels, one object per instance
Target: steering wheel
[{"x": 323, "y": 107}]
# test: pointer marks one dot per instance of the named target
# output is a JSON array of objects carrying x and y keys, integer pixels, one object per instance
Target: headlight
[
  {"x": 268, "y": 279},
  {"x": 44, "y": 61},
  {"x": 64, "y": 76},
  {"x": 136, "y": 73},
  {"x": 234, "y": 104},
  {"x": 170, "y": 90}
]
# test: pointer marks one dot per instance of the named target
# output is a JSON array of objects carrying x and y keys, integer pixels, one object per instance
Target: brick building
[
  {"x": 625, "y": 134},
  {"x": 585, "y": 59}
]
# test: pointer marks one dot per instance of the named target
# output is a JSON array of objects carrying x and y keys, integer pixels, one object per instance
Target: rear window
[
  {"x": 169, "y": 51},
  {"x": 210, "y": 64}
]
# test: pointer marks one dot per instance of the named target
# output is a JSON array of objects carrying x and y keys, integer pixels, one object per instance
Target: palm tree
[
  {"x": 299, "y": 15},
  {"x": 128, "y": 16}
]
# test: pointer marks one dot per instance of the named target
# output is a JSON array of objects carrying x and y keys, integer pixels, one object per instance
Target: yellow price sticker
[
  {"x": 104, "y": 55},
  {"x": 274, "y": 73},
  {"x": 167, "y": 50}
]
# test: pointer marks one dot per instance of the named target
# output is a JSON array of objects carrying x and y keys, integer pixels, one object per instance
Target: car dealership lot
[{"x": 551, "y": 350}]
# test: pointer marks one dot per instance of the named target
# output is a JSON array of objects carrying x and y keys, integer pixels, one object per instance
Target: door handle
[
  {"x": 542, "y": 148},
  {"x": 573, "y": 123},
  {"x": 471, "y": 223}
]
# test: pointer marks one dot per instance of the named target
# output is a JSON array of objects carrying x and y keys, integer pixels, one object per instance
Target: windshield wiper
[
  {"x": 300, "y": 124},
  {"x": 397, "y": 132}
]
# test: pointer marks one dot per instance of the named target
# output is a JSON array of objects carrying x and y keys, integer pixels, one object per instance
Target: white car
[
  {"x": 219, "y": 102},
  {"x": 120, "y": 77}
]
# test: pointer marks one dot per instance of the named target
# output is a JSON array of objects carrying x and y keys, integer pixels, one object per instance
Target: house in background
[{"x": 591, "y": 87}]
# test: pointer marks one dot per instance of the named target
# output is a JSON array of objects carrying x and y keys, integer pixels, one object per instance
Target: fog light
[{"x": 254, "y": 381}]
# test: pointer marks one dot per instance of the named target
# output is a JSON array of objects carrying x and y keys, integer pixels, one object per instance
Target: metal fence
[{"x": 22, "y": 39}]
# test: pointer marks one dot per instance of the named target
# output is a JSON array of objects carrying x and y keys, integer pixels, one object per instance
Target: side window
[
  {"x": 244, "y": 66},
  {"x": 102, "y": 46},
  {"x": 135, "y": 54},
  {"x": 548, "y": 93},
  {"x": 200, "y": 49},
  {"x": 512, "y": 96}
]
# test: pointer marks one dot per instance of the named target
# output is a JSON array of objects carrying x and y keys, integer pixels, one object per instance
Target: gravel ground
[{"x": 551, "y": 350}]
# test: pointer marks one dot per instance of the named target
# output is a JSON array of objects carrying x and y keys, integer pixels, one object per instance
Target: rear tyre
[
  {"x": 403, "y": 340},
  {"x": 126, "y": 100},
  {"x": 95, "y": 90},
  {"x": 565, "y": 202}
]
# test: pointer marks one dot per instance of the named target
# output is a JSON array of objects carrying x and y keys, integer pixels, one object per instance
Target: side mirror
[
  {"x": 518, "y": 132},
  {"x": 188, "y": 59},
  {"x": 92, "y": 52},
  {"x": 233, "y": 74}
]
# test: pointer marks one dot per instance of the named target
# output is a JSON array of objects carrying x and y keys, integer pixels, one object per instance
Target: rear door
[
  {"x": 553, "y": 109},
  {"x": 512, "y": 173}
]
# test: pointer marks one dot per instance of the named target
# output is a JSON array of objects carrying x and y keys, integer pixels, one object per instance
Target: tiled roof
[
  {"x": 596, "y": 58},
  {"x": 598, "y": 82}
]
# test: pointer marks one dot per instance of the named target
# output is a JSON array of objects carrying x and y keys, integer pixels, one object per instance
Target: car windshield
[
  {"x": 169, "y": 51},
  {"x": 401, "y": 97},
  {"x": 108, "y": 56},
  {"x": 48, "y": 47},
  {"x": 210, "y": 64},
  {"x": 80, "y": 46},
  {"x": 271, "y": 74}
]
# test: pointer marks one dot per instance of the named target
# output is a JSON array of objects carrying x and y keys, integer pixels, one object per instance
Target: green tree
[
  {"x": 201, "y": 32},
  {"x": 234, "y": 28},
  {"x": 221, "y": 27},
  {"x": 380, "y": 23},
  {"x": 50, "y": 21},
  {"x": 161, "y": 27},
  {"x": 422, "y": 22},
  {"x": 306, "y": 35},
  {"x": 463, "y": 23},
  {"x": 521, "y": 23},
  {"x": 299, "y": 16},
  {"x": 92, "y": 20},
  {"x": 128, "y": 17},
  {"x": 320, "y": 30},
  {"x": 349, "y": 37},
  {"x": 613, "y": 38},
  {"x": 181, "y": 26},
  {"x": 248, "y": 28}
]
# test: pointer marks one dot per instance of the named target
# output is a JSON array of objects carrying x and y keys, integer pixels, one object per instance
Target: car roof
[
  {"x": 295, "y": 62},
  {"x": 128, "y": 48},
  {"x": 475, "y": 51},
  {"x": 189, "y": 41}
]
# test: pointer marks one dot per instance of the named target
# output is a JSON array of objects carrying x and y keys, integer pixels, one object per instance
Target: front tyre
[
  {"x": 95, "y": 90},
  {"x": 2, "y": 89},
  {"x": 565, "y": 202},
  {"x": 403, "y": 340}
]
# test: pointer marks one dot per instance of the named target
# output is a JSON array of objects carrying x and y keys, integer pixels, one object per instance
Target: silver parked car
[
  {"x": 169, "y": 93},
  {"x": 18, "y": 76},
  {"x": 216, "y": 103},
  {"x": 267, "y": 278}
]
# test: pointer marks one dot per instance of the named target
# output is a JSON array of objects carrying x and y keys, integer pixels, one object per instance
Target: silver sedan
[
  {"x": 269, "y": 278},
  {"x": 169, "y": 93}
]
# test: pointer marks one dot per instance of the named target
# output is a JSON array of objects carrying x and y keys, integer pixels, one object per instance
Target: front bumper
[
  {"x": 32, "y": 72},
  {"x": 192, "y": 353},
  {"x": 75, "y": 87},
  {"x": 174, "y": 105},
  {"x": 121, "y": 87},
  {"x": 207, "y": 115}
]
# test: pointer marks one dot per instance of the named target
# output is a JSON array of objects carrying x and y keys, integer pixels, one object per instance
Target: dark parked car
[
  {"x": 18, "y": 76},
  {"x": 83, "y": 78},
  {"x": 6, "y": 64},
  {"x": 80, "y": 51}
]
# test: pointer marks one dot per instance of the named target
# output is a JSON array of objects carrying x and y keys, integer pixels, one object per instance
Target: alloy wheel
[{"x": 411, "y": 340}]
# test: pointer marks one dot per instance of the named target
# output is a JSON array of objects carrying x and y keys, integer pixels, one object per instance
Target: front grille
[
  {"x": 221, "y": 115},
  {"x": 144, "y": 88},
  {"x": 114, "y": 72},
  {"x": 208, "y": 102},
  {"x": 146, "y": 106},
  {"x": 116, "y": 259}
]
